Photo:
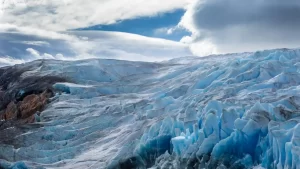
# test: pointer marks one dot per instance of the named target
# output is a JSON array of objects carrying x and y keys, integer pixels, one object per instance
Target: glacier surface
[{"x": 225, "y": 111}]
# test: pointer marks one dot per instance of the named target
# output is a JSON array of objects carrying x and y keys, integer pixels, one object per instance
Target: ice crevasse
[
  {"x": 253, "y": 120},
  {"x": 223, "y": 111}
]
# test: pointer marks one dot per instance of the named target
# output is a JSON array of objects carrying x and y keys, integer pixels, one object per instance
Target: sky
[
  {"x": 163, "y": 25},
  {"x": 143, "y": 30}
]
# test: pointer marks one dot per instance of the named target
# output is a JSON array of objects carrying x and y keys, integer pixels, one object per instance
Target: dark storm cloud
[
  {"x": 219, "y": 14},
  {"x": 247, "y": 25}
]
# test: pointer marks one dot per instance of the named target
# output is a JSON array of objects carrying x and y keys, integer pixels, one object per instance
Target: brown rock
[
  {"x": 11, "y": 111},
  {"x": 24, "y": 111},
  {"x": 31, "y": 104}
]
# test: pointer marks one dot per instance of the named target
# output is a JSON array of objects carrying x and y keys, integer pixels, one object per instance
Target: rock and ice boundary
[{"x": 227, "y": 111}]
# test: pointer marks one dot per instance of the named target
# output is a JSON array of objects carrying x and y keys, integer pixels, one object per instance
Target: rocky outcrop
[
  {"x": 33, "y": 103},
  {"x": 11, "y": 112},
  {"x": 15, "y": 85},
  {"x": 25, "y": 110},
  {"x": 22, "y": 96}
]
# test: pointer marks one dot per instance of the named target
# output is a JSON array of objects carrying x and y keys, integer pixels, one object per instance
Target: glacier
[{"x": 222, "y": 111}]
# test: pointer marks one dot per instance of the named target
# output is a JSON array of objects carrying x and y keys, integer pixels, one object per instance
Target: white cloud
[
  {"x": 74, "y": 45},
  {"x": 33, "y": 43},
  {"x": 160, "y": 31},
  {"x": 36, "y": 55},
  {"x": 7, "y": 61},
  {"x": 166, "y": 30},
  {"x": 127, "y": 46},
  {"x": 33, "y": 52},
  {"x": 65, "y": 14},
  {"x": 26, "y": 30},
  {"x": 170, "y": 31},
  {"x": 38, "y": 29}
]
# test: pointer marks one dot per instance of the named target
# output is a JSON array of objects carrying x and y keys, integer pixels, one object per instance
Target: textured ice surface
[{"x": 219, "y": 111}]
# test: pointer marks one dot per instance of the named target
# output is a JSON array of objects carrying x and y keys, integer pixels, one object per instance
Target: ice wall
[{"x": 251, "y": 116}]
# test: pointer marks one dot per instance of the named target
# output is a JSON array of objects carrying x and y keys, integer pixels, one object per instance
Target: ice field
[{"x": 222, "y": 111}]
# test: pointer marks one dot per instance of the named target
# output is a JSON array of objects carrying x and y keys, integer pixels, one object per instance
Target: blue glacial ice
[{"x": 223, "y": 111}]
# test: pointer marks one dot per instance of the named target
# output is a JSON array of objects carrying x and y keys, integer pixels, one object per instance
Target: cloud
[
  {"x": 167, "y": 30},
  {"x": 164, "y": 30},
  {"x": 33, "y": 52},
  {"x": 76, "y": 45},
  {"x": 125, "y": 46},
  {"x": 7, "y": 61},
  {"x": 61, "y": 15},
  {"x": 15, "y": 40},
  {"x": 33, "y": 43},
  {"x": 36, "y": 55},
  {"x": 27, "y": 30},
  {"x": 243, "y": 25},
  {"x": 40, "y": 29}
]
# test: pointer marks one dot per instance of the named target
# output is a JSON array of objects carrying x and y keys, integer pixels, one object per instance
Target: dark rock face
[
  {"x": 21, "y": 97},
  {"x": 132, "y": 163}
]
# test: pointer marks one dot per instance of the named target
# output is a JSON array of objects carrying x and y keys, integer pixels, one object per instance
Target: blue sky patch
[{"x": 160, "y": 26}]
